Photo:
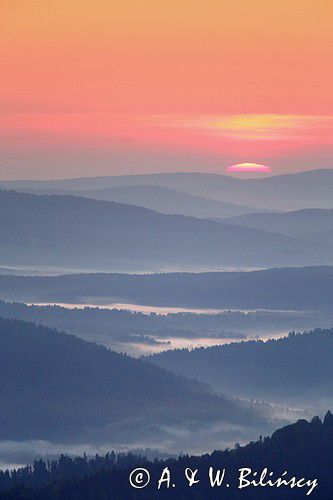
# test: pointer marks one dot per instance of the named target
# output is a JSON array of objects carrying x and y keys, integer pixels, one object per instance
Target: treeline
[
  {"x": 303, "y": 449},
  {"x": 66, "y": 467},
  {"x": 100, "y": 324},
  {"x": 300, "y": 289}
]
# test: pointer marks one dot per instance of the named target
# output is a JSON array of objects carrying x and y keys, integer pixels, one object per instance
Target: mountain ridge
[
  {"x": 290, "y": 369},
  {"x": 58, "y": 387},
  {"x": 305, "y": 189},
  {"x": 291, "y": 288},
  {"x": 69, "y": 231}
]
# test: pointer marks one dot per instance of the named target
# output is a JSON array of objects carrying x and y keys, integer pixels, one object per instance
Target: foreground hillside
[
  {"x": 303, "y": 450},
  {"x": 76, "y": 232},
  {"x": 55, "y": 386},
  {"x": 296, "y": 368}
]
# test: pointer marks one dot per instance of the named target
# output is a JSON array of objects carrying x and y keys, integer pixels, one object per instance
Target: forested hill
[
  {"x": 81, "y": 233},
  {"x": 303, "y": 449},
  {"x": 56, "y": 386},
  {"x": 307, "y": 288},
  {"x": 298, "y": 367},
  {"x": 102, "y": 324}
]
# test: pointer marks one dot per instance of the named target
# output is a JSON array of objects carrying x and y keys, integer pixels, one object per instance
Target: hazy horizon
[{"x": 241, "y": 175}]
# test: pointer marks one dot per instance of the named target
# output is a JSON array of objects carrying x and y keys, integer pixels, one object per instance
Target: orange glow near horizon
[
  {"x": 123, "y": 143},
  {"x": 225, "y": 81}
]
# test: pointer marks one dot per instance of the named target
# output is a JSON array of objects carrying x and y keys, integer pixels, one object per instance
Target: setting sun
[{"x": 249, "y": 167}]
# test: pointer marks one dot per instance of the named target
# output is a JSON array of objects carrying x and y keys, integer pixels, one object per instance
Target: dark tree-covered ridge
[
  {"x": 58, "y": 387},
  {"x": 303, "y": 449}
]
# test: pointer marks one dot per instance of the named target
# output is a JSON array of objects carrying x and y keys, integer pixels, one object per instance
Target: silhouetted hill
[
  {"x": 298, "y": 367},
  {"x": 303, "y": 450},
  {"x": 166, "y": 200},
  {"x": 308, "y": 288},
  {"x": 307, "y": 189},
  {"x": 291, "y": 223},
  {"x": 83, "y": 233},
  {"x": 171, "y": 180},
  {"x": 161, "y": 199},
  {"x": 55, "y": 386}
]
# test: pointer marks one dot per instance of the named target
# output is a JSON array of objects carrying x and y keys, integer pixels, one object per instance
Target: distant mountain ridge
[
  {"x": 119, "y": 328},
  {"x": 307, "y": 288},
  {"x": 158, "y": 198},
  {"x": 295, "y": 223},
  {"x": 71, "y": 231},
  {"x": 307, "y": 189},
  {"x": 165, "y": 200}
]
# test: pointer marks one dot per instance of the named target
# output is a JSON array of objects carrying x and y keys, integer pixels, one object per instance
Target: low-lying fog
[
  {"x": 176, "y": 440},
  {"x": 156, "y": 343}
]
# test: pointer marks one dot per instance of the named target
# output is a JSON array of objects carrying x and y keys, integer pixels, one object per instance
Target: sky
[{"x": 129, "y": 86}]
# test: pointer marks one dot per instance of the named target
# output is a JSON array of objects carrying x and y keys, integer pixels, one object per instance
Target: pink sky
[
  {"x": 53, "y": 145},
  {"x": 98, "y": 88}
]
